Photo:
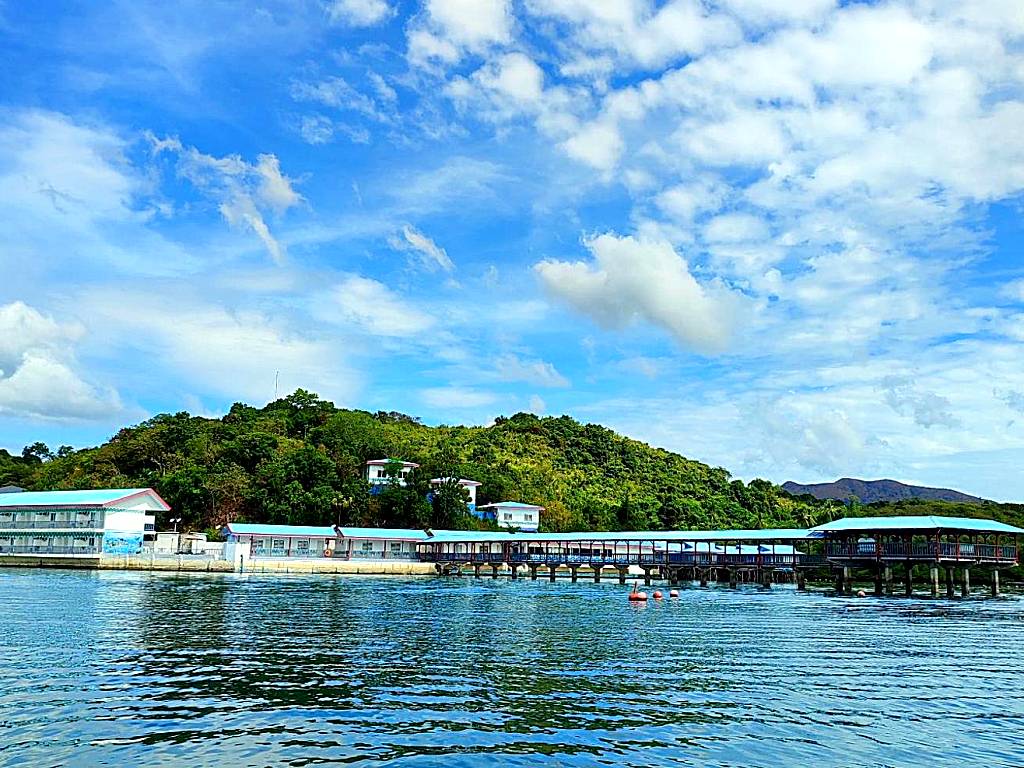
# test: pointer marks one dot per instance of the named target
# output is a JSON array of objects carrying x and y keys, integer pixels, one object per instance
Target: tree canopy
[{"x": 300, "y": 460}]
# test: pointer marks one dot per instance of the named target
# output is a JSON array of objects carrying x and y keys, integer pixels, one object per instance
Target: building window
[
  {"x": 508, "y": 516},
  {"x": 302, "y": 545},
  {"x": 528, "y": 518},
  {"x": 277, "y": 545},
  {"x": 367, "y": 546},
  {"x": 396, "y": 547}
]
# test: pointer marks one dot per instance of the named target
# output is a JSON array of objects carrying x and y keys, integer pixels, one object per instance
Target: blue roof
[
  {"x": 767, "y": 534},
  {"x": 324, "y": 531},
  {"x": 917, "y": 523},
  {"x": 88, "y": 498},
  {"x": 328, "y": 532}
]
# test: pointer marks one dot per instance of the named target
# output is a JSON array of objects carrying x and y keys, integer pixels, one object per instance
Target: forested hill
[{"x": 300, "y": 460}]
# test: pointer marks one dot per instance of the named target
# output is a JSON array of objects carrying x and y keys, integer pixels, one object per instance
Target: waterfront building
[
  {"x": 513, "y": 514},
  {"x": 377, "y": 472},
  {"x": 78, "y": 524},
  {"x": 469, "y": 485},
  {"x": 304, "y": 542}
]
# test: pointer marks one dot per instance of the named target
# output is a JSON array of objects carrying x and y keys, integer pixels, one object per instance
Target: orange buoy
[
  {"x": 674, "y": 593},
  {"x": 657, "y": 595},
  {"x": 861, "y": 593},
  {"x": 635, "y": 596}
]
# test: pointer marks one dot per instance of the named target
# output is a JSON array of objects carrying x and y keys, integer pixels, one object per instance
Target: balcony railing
[
  {"x": 43, "y": 549},
  {"x": 55, "y": 525}
]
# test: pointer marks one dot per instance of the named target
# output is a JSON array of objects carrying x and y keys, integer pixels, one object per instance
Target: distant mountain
[{"x": 870, "y": 491}]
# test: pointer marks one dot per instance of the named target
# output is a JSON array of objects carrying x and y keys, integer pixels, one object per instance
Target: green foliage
[{"x": 300, "y": 460}]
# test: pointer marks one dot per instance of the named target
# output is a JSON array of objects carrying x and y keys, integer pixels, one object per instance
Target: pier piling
[
  {"x": 995, "y": 582},
  {"x": 934, "y": 579},
  {"x": 597, "y": 574},
  {"x": 573, "y": 573},
  {"x": 552, "y": 570},
  {"x": 966, "y": 585},
  {"x": 909, "y": 580},
  {"x": 949, "y": 582}
]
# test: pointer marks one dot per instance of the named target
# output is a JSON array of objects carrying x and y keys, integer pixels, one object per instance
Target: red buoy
[
  {"x": 657, "y": 595},
  {"x": 635, "y": 596}
]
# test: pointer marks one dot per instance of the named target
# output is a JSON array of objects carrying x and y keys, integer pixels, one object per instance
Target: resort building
[
  {"x": 513, "y": 514},
  {"x": 469, "y": 485},
  {"x": 76, "y": 523},
  {"x": 258, "y": 540},
  {"x": 377, "y": 471}
]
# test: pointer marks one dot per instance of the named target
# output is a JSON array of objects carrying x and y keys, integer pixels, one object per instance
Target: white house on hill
[
  {"x": 513, "y": 514},
  {"x": 377, "y": 471}
]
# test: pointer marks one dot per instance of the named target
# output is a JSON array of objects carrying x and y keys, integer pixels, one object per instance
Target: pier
[{"x": 846, "y": 548}]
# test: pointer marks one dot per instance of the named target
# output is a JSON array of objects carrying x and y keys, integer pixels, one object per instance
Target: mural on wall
[{"x": 115, "y": 543}]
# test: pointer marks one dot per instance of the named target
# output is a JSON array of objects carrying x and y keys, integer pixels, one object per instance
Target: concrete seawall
[{"x": 194, "y": 564}]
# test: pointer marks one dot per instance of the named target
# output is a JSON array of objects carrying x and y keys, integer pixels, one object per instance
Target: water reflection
[{"x": 118, "y": 668}]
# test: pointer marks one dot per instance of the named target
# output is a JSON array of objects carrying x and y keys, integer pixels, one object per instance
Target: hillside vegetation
[{"x": 300, "y": 460}]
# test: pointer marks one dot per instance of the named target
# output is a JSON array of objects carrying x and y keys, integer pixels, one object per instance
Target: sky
[{"x": 781, "y": 238}]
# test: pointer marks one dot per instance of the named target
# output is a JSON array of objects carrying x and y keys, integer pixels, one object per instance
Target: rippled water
[{"x": 134, "y": 668}]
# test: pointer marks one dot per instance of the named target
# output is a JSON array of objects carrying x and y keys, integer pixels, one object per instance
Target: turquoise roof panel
[
  {"x": 85, "y": 498},
  {"x": 768, "y": 534},
  {"x": 266, "y": 529},
  {"x": 917, "y": 523}
]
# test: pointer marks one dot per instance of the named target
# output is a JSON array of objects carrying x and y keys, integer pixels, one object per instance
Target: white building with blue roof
[{"x": 76, "y": 524}]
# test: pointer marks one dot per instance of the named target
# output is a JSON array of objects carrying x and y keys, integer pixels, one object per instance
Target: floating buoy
[
  {"x": 635, "y": 596},
  {"x": 674, "y": 593},
  {"x": 861, "y": 593},
  {"x": 657, "y": 595}
]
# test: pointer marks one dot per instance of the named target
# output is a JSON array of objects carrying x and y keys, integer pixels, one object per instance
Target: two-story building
[
  {"x": 513, "y": 514},
  {"x": 77, "y": 524},
  {"x": 380, "y": 472}
]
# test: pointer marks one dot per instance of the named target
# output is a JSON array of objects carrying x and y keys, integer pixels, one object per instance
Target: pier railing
[
  {"x": 644, "y": 559},
  {"x": 921, "y": 550}
]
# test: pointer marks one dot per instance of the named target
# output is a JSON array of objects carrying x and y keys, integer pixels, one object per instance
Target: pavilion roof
[{"x": 916, "y": 523}]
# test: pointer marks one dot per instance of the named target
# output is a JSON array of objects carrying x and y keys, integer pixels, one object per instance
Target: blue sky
[{"x": 783, "y": 238}]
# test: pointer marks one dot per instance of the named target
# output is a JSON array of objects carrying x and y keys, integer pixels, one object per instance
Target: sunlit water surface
[{"x": 154, "y": 669}]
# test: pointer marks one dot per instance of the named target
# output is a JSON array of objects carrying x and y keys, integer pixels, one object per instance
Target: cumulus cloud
[
  {"x": 449, "y": 28},
  {"x": 242, "y": 190},
  {"x": 631, "y": 280},
  {"x": 376, "y": 309},
  {"x": 359, "y": 13},
  {"x": 37, "y": 369}
]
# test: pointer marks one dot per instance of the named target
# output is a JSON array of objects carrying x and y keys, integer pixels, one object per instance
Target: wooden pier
[{"x": 846, "y": 548}]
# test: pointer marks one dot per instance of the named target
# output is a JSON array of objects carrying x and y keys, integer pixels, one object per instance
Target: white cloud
[
  {"x": 631, "y": 279},
  {"x": 634, "y": 32},
  {"x": 37, "y": 376},
  {"x": 599, "y": 145},
  {"x": 374, "y": 308},
  {"x": 537, "y": 405},
  {"x": 456, "y": 398},
  {"x": 928, "y": 409},
  {"x": 241, "y": 190},
  {"x": 472, "y": 23},
  {"x": 359, "y": 13},
  {"x": 510, "y": 367},
  {"x": 1013, "y": 290},
  {"x": 431, "y": 256},
  {"x": 209, "y": 348}
]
